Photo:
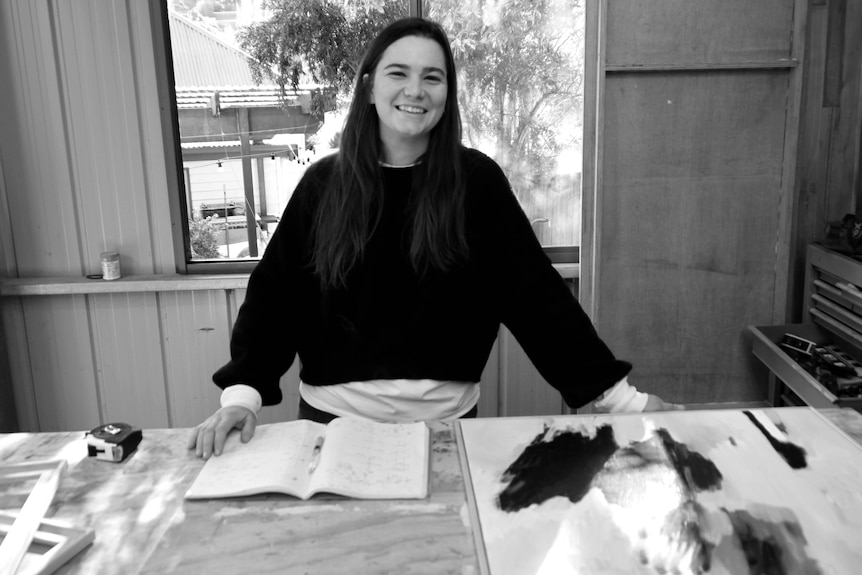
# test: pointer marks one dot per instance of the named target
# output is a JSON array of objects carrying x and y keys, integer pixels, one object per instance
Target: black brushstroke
[
  {"x": 564, "y": 466},
  {"x": 698, "y": 472},
  {"x": 630, "y": 476},
  {"x": 569, "y": 463},
  {"x": 793, "y": 454},
  {"x": 682, "y": 529},
  {"x": 771, "y": 548}
]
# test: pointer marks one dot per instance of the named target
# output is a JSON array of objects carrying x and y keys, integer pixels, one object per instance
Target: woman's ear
[{"x": 365, "y": 81}]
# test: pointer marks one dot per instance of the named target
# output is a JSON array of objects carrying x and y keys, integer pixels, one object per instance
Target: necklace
[{"x": 385, "y": 165}]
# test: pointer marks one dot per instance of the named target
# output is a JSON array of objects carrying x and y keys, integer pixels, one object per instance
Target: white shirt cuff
[
  {"x": 241, "y": 395},
  {"x": 621, "y": 398}
]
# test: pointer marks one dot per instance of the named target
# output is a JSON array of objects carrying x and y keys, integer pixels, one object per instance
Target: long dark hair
[{"x": 352, "y": 202}]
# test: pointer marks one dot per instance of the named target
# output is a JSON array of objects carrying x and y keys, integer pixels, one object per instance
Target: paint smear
[
  {"x": 769, "y": 548},
  {"x": 793, "y": 454},
  {"x": 568, "y": 464},
  {"x": 653, "y": 485},
  {"x": 562, "y": 467}
]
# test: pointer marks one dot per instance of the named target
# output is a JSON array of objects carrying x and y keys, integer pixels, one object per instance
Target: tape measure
[{"x": 113, "y": 441}]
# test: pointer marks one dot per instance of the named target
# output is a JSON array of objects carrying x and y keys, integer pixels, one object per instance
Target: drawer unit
[
  {"x": 804, "y": 389},
  {"x": 832, "y": 315}
]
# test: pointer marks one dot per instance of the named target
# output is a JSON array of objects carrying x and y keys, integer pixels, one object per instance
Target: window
[
  {"x": 255, "y": 106},
  {"x": 521, "y": 71}
]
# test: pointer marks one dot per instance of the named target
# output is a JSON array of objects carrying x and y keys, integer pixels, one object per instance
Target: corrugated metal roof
[
  {"x": 202, "y": 59},
  {"x": 241, "y": 97}
]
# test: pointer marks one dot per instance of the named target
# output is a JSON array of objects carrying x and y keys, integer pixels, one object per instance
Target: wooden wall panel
[
  {"x": 845, "y": 155},
  {"x": 678, "y": 32},
  {"x": 828, "y": 181},
  {"x": 692, "y": 200},
  {"x": 693, "y": 175},
  {"x": 816, "y": 205}
]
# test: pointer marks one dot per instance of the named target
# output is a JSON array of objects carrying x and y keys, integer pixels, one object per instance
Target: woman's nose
[{"x": 413, "y": 88}]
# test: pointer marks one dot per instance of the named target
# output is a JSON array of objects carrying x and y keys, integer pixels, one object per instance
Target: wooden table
[{"x": 143, "y": 525}]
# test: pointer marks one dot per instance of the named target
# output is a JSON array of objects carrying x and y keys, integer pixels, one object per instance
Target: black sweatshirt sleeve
[
  {"x": 264, "y": 339},
  {"x": 538, "y": 307}
]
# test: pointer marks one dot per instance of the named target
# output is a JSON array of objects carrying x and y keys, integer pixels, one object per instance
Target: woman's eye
[{"x": 434, "y": 79}]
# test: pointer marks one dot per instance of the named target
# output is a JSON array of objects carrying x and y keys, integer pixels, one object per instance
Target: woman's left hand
[{"x": 655, "y": 403}]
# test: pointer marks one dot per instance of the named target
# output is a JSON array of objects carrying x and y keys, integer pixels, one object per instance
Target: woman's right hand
[{"x": 208, "y": 438}]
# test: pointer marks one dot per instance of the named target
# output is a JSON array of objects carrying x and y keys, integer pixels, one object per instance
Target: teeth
[{"x": 411, "y": 109}]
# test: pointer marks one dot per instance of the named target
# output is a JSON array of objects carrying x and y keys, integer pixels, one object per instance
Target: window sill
[
  {"x": 126, "y": 284},
  {"x": 569, "y": 271},
  {"x": 152, "y": 283}
]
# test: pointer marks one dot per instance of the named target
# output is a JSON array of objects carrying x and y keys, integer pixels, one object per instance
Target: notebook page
[
  {"x": 374, "y": 460},
  {"x": 275, "y": 460}
]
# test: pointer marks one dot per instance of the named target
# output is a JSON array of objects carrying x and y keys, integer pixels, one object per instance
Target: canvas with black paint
[{"x": 689, "y": 492}]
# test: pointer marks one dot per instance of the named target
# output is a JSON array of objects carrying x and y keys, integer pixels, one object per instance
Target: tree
[
  {"x": 203, "y": 237},
  {"x": 320, "y": 40},
  {"x": 521, "y": 78},
  {"x": 519, "y": 70}
]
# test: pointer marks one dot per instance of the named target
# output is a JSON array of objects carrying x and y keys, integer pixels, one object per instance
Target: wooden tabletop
[{"x": 143, "y": 525}]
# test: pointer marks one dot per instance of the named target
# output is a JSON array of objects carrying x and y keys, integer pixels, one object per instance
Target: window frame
[{"x": 176, "y": 173}]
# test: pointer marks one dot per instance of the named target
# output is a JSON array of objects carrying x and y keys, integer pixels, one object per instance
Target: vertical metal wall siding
[
  {"x": 82, "y": 132},
  {"x": 36, "y": 157}
]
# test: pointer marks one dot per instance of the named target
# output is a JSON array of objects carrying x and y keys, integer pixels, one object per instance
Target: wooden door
[{"x": 690, "y": 144}]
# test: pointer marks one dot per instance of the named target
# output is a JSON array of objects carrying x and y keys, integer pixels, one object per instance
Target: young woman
[{"x": 394, "y": 264}]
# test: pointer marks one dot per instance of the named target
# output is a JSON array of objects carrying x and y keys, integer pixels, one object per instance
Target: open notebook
[{"x": 353, "y": 458}]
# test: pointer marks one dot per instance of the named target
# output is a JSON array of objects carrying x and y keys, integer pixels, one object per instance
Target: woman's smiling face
[{"x": 409, "y": 91}]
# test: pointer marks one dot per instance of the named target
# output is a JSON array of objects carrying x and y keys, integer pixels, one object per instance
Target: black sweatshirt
[{"x": 390, "y": 324}]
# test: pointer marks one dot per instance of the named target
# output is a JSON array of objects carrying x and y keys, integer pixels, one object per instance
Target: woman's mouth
[{"x": 411, "y": 109}]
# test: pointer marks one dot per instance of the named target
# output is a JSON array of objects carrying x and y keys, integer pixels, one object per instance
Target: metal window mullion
[{"x": 416, "y": 8}]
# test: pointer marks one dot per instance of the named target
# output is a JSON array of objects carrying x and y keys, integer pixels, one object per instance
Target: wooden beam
[
  {"x": 61, "y": 540},
  {"x": 20, "y": 535},
  {"x": 705, "y": 66},
  {"x": 46, "y": 286}
]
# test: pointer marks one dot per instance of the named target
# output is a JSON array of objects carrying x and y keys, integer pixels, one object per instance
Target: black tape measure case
[{"x": 113, "y": 441}]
